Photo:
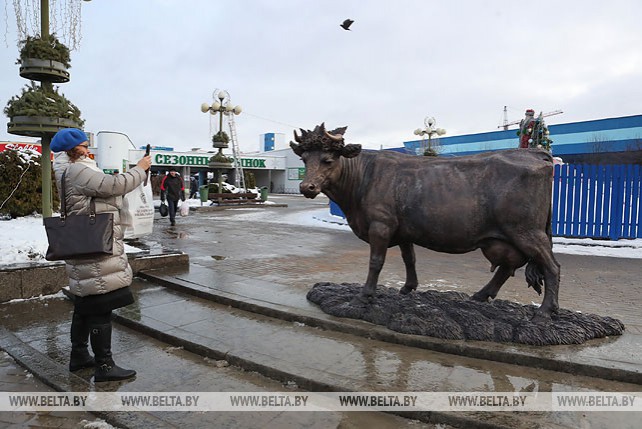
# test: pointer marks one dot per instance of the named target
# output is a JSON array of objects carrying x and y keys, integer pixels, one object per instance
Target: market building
[{"x": 280, "y": 171}]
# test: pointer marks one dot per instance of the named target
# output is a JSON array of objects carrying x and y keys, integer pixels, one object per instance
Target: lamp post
[
  {"x": 430, "y": 130},
  {"x": 223, "y": 106},
  {"x": 45, "y": 141}
]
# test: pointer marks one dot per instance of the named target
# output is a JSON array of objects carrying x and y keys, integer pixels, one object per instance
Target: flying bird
[{"x": 346, "y": 24}]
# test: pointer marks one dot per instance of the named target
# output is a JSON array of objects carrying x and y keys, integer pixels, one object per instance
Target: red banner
[{"x": 22, "y": 146}]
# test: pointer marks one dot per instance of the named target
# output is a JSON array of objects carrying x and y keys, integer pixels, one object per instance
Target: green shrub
[
  {"x": 37, "y": 101},
  {"x": 219, "y": 157},
  {"x": 220, "y": 137},
  {"x": 21, "y": 183},
  {"x": 47, "y": 48}
]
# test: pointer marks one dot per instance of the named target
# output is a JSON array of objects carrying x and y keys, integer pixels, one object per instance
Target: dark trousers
[{"x": 172, "y": 205}]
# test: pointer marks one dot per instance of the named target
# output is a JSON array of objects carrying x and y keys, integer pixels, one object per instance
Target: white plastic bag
[
  {"x": 184, "y": 208},
  {"x": 137, "y": 214}
]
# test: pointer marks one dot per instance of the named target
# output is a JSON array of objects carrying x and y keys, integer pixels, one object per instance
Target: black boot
[
  {"x": 106, "y": 369},
  {"x": 80, "y": 357}
]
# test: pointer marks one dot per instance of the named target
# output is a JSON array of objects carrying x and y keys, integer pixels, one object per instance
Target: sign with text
[
  {"x": 177, "y": 159},
  {"x": 22, "y": 146}
]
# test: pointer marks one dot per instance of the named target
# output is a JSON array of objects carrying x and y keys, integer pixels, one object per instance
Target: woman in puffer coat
[{"x": 99, "y": 285}]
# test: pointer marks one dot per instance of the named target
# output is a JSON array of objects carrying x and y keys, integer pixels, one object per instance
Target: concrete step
[
  {"x": 324, "y": 360},
  {"x": 607, "y": 358},
  {"x": 36, "y": 334}
]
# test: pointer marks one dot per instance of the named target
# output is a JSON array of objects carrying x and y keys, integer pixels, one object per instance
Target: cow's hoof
[
  {"x": 361, "y": 300},
  {"x": 407, "y": 289},
  {"x": 480, "y": 297},
  {"x": 542, "y": 317}
]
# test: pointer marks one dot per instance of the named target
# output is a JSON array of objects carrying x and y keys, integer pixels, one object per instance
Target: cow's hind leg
[
  {"x": 540, "y": 252},
  {"x": 408, "y": 256},
  {"x": 505, "y": 256}
]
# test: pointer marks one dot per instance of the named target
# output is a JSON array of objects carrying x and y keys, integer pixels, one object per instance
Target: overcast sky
[{"x": 144, "y": 67}]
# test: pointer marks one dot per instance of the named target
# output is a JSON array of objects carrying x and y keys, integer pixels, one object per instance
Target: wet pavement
[
  {"x": 163, "y": 368},
  {"x": 247, "y": 330},
  {"x": 14, "y": 378}
]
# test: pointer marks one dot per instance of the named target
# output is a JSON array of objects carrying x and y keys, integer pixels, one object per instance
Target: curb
[{"x": 22, "y": 281}]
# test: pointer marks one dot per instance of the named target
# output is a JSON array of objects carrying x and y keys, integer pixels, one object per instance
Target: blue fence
[{"x": 597, "y": 201}]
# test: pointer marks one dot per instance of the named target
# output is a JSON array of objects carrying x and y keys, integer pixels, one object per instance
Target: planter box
[
  {"x": 44, "y": 70},
  {"x": 220, "y": 145},
  {"x": 38, "y": 126}
]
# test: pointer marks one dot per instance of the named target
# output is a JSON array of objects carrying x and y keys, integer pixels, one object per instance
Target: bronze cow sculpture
[{"x": 499, "y": 202}]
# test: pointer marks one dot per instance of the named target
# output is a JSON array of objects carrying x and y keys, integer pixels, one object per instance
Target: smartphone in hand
[{"x": 147, "y": 150}]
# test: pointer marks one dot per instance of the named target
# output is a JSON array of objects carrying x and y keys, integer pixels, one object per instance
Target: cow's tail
[{"x": 534, "y": 275}]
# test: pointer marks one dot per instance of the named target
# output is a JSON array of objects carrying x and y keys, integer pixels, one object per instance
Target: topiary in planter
[
  {"x": 219, "y": 157},
  {"x": 220, "y": 140},
  {"x": 36, "y": 101},
  {"x": 220, "y": 137},
  {"x": 44, "y": 59},
  {"x": 45, "y": 48}
]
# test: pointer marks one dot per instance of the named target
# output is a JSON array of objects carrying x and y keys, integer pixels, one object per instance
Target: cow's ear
[
  {"x": 350, "y": 150},
  {"x": 296, "y": 148}
]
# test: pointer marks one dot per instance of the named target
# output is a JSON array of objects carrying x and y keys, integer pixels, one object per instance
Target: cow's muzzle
[{"x": 309, "y": 190}]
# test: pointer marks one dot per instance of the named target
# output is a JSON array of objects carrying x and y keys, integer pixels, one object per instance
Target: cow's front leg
[
  {"x": 379, "y": 238},
  {"x": 408, "y": 256}
]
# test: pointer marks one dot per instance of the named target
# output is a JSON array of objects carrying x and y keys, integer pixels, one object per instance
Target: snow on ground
[{"x": 24, "y": 239}]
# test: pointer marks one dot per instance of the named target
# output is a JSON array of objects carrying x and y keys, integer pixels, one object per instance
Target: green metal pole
[
  {"x": 220, "y": 173},
  {"x": 47, "y": 201}
]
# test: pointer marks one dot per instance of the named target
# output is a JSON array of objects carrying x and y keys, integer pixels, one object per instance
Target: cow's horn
[{"x": 333, "y": 137}]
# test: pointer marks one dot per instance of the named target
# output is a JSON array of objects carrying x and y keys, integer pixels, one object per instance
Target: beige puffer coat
[{"x": 84, "y": 180}]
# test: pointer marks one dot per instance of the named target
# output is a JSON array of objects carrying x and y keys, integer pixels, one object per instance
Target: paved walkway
[{"x": 14, "y": 378}]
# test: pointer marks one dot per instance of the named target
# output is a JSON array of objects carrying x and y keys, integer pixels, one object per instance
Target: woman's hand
[{"x": 145, "y": 162}]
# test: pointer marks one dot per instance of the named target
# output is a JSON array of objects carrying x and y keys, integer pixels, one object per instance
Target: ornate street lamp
[
  {"x": 223, "y": 106},
  {"x": 430, "y": 131}
]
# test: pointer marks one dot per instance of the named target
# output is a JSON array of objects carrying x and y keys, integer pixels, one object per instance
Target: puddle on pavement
[{"x": 177, "y": 234}]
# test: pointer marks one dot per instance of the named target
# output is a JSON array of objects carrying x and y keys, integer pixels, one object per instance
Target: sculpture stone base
[{"x": 453, "y": 315}]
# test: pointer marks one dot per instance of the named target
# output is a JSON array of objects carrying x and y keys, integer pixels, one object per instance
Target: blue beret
[{"x": 67, "y": 139}]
